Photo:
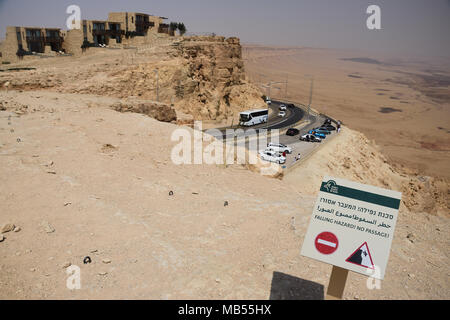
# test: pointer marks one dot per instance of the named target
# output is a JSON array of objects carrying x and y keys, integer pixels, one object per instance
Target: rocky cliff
[
  {"x": 203, "y": 77},
  {"x": 212, "y": 83},
  {"x": 363, "y": 162}
]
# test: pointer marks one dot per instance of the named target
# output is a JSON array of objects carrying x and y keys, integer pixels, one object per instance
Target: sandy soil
[
  {"x": 401, "y": 103},
  {"x": 80, "y": 179}
]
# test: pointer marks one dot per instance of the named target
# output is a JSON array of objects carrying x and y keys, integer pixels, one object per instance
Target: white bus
[{"x": 253, "y": 117}]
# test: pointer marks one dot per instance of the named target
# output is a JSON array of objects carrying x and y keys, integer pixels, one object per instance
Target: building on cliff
[
  {"x": 30, "y": 39},
  {"x": 139, "y": 23},
  {"x": 23, "y": 41}
]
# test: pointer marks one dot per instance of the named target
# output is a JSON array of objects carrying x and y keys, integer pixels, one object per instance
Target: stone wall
[
  {"x": 118, "y": 17},
  {"x": 10, "y": 45},
  {"x": 73, "y": 41}
]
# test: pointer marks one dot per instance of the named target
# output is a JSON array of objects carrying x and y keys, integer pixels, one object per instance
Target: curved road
[{"x": 293, "y": 116}]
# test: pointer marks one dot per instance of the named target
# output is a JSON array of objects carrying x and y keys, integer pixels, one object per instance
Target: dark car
[
  {"x": 327, "y": 121},
  {"x": 328, "y": 127},
  {"x": 290, "y": 105},
  {"x": 292, "y": 132}
]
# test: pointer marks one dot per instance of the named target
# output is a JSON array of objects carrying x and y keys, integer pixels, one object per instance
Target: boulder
[{"x": 7, "y": 227}]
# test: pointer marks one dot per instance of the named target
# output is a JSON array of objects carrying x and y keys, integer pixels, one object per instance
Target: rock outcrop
[
  {"x": 201, "y": 76},
  {"x": 156, "y": 110},
  {"x": 212, "y": 83}
]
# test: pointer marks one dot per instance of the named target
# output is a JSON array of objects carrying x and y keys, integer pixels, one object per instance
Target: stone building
[
  {"x": 100, "y": 32},
  {"x": 139, "y": 23},
  {"x": 92, "y": 32},
  {"x": 30, "y": 39}
]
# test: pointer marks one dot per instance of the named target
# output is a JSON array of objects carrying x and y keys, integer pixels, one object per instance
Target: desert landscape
[
  {"x": 401, "y": 103},
  {"x": 87, "y": 172}
]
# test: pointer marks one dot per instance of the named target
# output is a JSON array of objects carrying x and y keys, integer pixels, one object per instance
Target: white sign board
[{"x": 352, "y": 226}]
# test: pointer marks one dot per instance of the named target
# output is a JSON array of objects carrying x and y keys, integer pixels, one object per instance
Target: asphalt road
[
  {"x": 293, "y": 116},
  {"x": 301, "y": 147}
]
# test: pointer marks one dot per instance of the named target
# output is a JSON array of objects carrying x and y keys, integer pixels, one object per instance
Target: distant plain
[{"x": 403, "y": 103}]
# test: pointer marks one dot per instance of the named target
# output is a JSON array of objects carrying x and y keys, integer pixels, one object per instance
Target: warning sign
[
  {"x": 352, "y": 226},
  {"x": 361, "y": 257}
]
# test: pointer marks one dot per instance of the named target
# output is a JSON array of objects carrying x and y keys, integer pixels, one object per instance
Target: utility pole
[
  {"x": 157, "y": 85},
  {"x": 310, "y": 97},
  {"x": 269, "y": 86},
  {"x": 285, "y": 91},
  {"x": 267, "y": 97}
]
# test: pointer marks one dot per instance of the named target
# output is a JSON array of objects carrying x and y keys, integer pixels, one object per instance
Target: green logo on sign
[{"x": 331, "y": 186}]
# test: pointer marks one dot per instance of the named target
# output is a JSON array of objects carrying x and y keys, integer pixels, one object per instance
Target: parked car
[
  {"x": 291, "y": 105},
  {"x": 310, "y": 138},
  {"x": 327, "y": 121},
  {"x": 292, "y": 132},
  {"x": 282, "y": 113},
  {"x": 279, "y": 147},
  {"x": 328, "y": 127},
  {"x": 282, "y": 107},
  {"x": 268, "y": 101},
  {"x": 272, "y": 156},
  {"x": 315, "y": 133},
  {"x": 320, "y": 130}
]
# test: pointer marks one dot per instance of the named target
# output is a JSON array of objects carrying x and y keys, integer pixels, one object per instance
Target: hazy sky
[{"x": 417, "y": 27}]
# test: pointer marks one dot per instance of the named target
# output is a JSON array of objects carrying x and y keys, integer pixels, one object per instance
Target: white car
[
  {"x": 268, "y": 101},
  {"x": 279, "y": 147},
  {"x": 310, "y": 138},
  {"x": 272, "y": 156},
  {"x": 282, "y": 107},
  {"x": 282, "y": 113}
]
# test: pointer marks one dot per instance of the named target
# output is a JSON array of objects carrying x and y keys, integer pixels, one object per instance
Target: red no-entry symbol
[{"x": 326, "y": 243}]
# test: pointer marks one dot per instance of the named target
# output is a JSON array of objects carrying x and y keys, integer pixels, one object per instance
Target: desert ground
[
  {"x": 403, "y": 103},
  {"x": 81, "y": 179}
]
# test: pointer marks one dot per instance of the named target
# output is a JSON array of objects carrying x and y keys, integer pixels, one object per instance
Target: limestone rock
[
  {"x": 7, "y": 227},
  {"x": 47, "y": 227},
  {"x": 156, "y": 110}
]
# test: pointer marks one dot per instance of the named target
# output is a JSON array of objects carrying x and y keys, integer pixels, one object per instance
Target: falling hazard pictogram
[{"x": 361, "y": 257}]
